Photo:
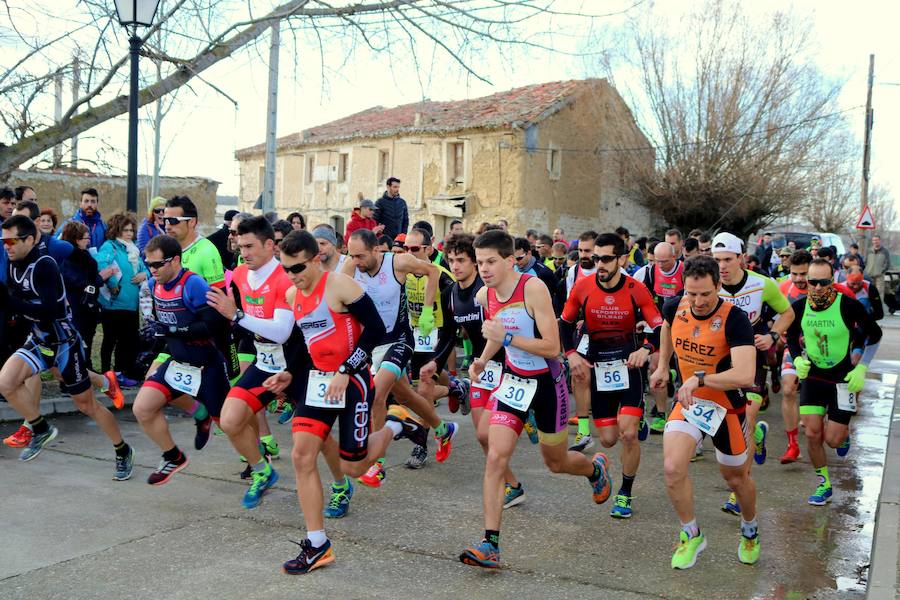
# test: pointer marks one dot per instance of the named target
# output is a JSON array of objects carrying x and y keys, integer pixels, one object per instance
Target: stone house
[{"x": 559, "y": 154}]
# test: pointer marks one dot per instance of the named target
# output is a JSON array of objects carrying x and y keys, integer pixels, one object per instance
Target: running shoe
[
  {"x": 270, "y": 445},
  {"x": 309, "y": 558},
  {"x": 202, "y": 435},
  {"x": 513, "y": 496},
  {"x": 339, "y": 504},
  {"x": 445, "y": 442},
  {"x": 759, "y": 450},
  {"x": 20, "y": 438},
  {"x": 583, "y": 441},
  {"x": 687, "y": 550},
  {"x": 822, "y": 496},
  {"x": 573, "y": 420},
  {"x": 459, "y": 393},
  {"x": 698, "y": 453},
  {"x": 792, "y": 454},
  {"x": 622, "y": 507},
  {"x": 530, "y": 427},
  {"x": 374, "y": 476},
  {"x": 643, "y": 429},
  {"x": 731, "y": 505},
  {"x": 166, "y": 469},
  {"x": 658, "y": 424},
  {"x": 748, "y": 550},
  {"x": 465, "y": 401},
  {"x": 124, "y": 466},
  {"x": 417, "y": 457},
  {"x": 482, "y": 554},
  {"x": 126, "y": 382},
  {"x": 261, "y": 483},
  {"x": 37, "y": 443},
  {"x": 412, "y": 430},
  {"x": 602, "y": 486},
  {"x": 287, "y": 412},
  {"x": 844, "y": 448},
  {"x": 113, "y": 391}
]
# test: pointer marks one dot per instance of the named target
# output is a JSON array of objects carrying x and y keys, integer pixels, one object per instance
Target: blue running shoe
[
  {"x": 482, "y": 554},
  {"x": 643, "y": 429},
  {"x": 601, "y": 487},
  {"x": 261, "y": 483},
  {"x": 286, "y": 414},
  {"x": 339, "y": 504},
  {"x": 731, "y": 505},
  {"x": 759, "y": 442},
  {"x": 513, "y": 496},
  {"x": 844, "y": 448},
  {"x": 37, "y": 443},
  {"x": 622, "y": 507},
  {"x": 822, "y": 496},
  {"x": 530, "y": 427},
  {"x": 124, "y": 466}
]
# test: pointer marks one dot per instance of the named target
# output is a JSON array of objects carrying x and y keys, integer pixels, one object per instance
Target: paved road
[{"x": 70, "y": 532}]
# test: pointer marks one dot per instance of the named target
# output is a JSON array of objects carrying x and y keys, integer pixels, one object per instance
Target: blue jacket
[
  {"x": 113, "y": 251},
  {"x": 96, "y": 227},
  {"x": 146, "y": 232}
]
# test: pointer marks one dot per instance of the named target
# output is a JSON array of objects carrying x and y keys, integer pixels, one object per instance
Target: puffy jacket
[
  {"x": 114, "y": 252},
  {"x": 358, "y": 222},
  {"x": 393, "y": 214},
  {"x": 96, "y": 227}
]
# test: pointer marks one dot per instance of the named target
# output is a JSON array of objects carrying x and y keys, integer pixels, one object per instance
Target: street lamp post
[{"x": 131, "y": 14}]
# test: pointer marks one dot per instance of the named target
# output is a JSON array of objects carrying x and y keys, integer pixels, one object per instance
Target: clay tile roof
[{"x": 518, "y": 107}]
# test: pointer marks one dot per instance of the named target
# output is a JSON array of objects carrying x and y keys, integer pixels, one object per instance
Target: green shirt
[{"x": 202, "y": 258}]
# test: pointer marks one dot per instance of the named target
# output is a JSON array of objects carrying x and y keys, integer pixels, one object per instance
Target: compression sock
[
  {"x": 749, "y": 529},
  {"x": 39, "y": 425},
  {"x": 627, "y": 482},
  {"x": 122, "y": 449},
  {"x": 792, "y": 436},
  {"x": 691, "y": 528},
  {"x": 584, "y": 425},
  {"x": 492, "y": 537},
  {"x": 822, "y": 474},
  {"x": 198, "y": 411}
]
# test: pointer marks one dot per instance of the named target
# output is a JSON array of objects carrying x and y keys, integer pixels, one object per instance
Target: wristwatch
[
  {"x": 507, "y": 340},
  {"x": 343, "y": 370},
  {"x": 238, "y": 315},
  {"x": 700, "y": 375},
  {"x": 775, "y": 336}
]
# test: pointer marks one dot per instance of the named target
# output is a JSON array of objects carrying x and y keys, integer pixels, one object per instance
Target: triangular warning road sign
[{"x": 866, "y": 220}]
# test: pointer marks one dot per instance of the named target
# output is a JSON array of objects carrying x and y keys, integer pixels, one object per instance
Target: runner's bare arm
[{"x": 540, "y": 306}]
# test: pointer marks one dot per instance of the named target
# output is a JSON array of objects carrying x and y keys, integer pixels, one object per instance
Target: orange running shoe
[
  {"x": 792, "y": 454},
  {"x": 114, "y": 392},
  {"x": 573, "y": 420},
  {"x": 445, "y": 442},
  {"x": 19, "y": 439},
  {"x": 602, "y": 487}
]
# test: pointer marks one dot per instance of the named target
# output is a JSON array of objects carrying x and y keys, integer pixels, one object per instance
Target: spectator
[
  {"x": 391, "y": 210},
  {"x": 854, "y": 251},
  {"x": 878, "y": 261},
  {"x": 82, "y": 281},
  {"x": 504, "y": 225},
  {"x": 219, "y": 238},
  {"x": 456, "y": 228},
  {"x": 384, "y": 244},
  {"x": 362, "y": 218},
  {"x": 297, "y": 221},
  {"x": 120, "y": 297},
  {"x": 281, "y": 228},
  {"x": 153, "y": 225},
  {"x": 25, "y": 192},
  {"x": 89, "y": 214},
  {"x": 47, "y": 222},
  {"x": 559, "y": 235},
  {"x": 57, "y": 249}
]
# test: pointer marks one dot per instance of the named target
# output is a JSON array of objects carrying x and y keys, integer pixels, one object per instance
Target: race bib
[
  {"x": 846, "y": 400},
  {"x": 611, "y": 376},
  {"x": 378, "y": 356},
  {"x": 425, "y": 343},
  {"x": 706, "y": 415},
  {"x": 582, "y": 348},
  {"x": 270, "y": 357},
  {"x": 315, "y": 391},
  {"x": 490, "y": 377},
  {"x": 516, "y": 392},
  {"x": 183, "y": 378}
]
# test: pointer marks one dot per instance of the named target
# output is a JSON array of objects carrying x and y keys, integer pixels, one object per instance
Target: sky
[{"x": 202, "y": 132}]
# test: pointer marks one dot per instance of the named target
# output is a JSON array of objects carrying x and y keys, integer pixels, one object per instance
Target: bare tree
[
  {"x": 202, "y": 33},
  {"x": 735, "y": 110}
]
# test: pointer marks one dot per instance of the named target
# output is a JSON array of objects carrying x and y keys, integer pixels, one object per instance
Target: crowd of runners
[{"x": 532, "y": 333}]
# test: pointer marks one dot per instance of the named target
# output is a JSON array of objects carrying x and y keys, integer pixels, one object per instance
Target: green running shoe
[
  {"x": 748, "y": 550},
  {"x": 658, "y": 424},
  {"x": 621, "y": 508},
  {"x": 688, "y": 549},
  {"x": 271, "y": 446}
]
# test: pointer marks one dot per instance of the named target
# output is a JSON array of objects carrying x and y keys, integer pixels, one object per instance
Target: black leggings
[{"x": 120, "y": 333}]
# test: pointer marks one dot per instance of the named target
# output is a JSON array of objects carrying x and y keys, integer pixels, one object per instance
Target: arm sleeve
[
  {"x": 795, "y": 330},
  {"x": 447, "y": 337},
  {"x": 774, "y": 298},
  {"x": 364, "y": 311},
  {"x": 738, "y": 331},
  {"x": 867, "y": 332},
  {"x": 650, "y": 314},
  {"x": 278, "y": 328}
]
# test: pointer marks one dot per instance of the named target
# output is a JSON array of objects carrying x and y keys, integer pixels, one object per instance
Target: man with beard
[{"x": 89, "y": 214}]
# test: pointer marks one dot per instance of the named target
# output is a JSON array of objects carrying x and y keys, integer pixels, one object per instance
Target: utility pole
[
  {"x": 76, "y": 90},
  {"x": 867, "y": 154},
  {"x": 57, "y": 114},
  {"x": 268, "y": 195}
]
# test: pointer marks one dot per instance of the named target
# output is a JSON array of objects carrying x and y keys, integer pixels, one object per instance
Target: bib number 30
[
  {"x": 516, "y": 392},
  {"x": 706, "y": 415}
]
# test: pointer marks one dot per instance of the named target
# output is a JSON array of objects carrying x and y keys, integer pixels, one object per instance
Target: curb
[
  {"x": 57, "y": 404},
  {"x": 883, "y": 568}
]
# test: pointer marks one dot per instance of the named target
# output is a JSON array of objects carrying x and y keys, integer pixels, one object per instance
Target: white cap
[{"x": 727, "y": 242}]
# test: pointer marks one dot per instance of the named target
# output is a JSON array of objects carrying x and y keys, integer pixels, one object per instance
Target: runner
[
  {"x": 758, "y": 296},
  {"x": 714, "y": 343},
  {"x": 34, "y": 290},
  {"x": 332, "y": 260},
  {"x": 459, "y": 301},
  {"x": 382, "y": 276},
  {"x": 520, "y": 319},
  {"x": 611, "y": 305},
  {"x": 193, "y": 370},
  {"x": 340, "y": 326},
  {"x": 828, "y": 326}
]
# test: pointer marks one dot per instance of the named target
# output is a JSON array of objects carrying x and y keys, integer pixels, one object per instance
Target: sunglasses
[
  {"x": 176, "y": 220},
  {"x": 606, "y": 258},
  {"x": 12, "y": 241},
  {"x": 232, "y": 232},
  {"x": 522, "y": 257},
  {"x": 819, "y": 282},
  {"x": 159, "y": 264},
  {"x": 158, "y": 211},
  {"x": 559, "y": 258},
  {"x": 412, "y": 248},
  {"x": 296, "y": 268}
]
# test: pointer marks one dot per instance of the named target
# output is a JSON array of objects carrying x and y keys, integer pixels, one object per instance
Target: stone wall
[{"x": 61, "y": 191}]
